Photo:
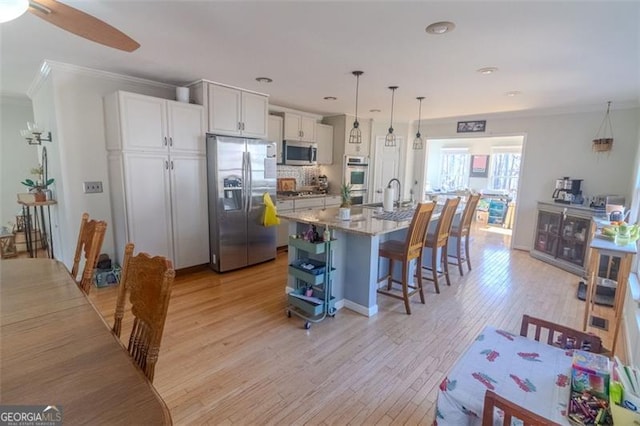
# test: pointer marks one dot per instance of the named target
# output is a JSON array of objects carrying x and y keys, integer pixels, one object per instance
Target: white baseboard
[{"x": 362, "y": 310}]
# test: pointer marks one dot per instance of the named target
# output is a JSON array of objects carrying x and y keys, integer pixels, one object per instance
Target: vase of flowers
[{"x": 345, "y": 207}]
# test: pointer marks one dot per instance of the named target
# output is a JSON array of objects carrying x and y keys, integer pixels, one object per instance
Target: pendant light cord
[
  {"x": 419, "y": 115},
  {"x": 357, "y": 87},
  {"x": 393, "y": 93}
]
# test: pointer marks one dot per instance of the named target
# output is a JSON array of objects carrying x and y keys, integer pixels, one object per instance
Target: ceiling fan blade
[{"x": 82, "y": 24}]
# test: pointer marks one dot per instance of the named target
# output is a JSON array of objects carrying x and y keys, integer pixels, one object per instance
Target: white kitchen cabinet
[
  {"x": 282, "y": 236},
  {"x": 302, "y": 204},
  {"x": 274, "y": 134},
  {"x": 324, "y": 139},
  {"x": 235, "y": 112},
  {"x": 332, "y": 201},
  {"x": 299, "y": 127},
  {"x": 149, "y": 124},
  {"x": 158, "y": 191}
]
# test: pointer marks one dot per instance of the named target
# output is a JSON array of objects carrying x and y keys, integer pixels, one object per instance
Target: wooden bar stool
[
  {"x": 462, "y": 229},
  {"x": 440, "y": 240},
  {"x": 405, "y": 252}
]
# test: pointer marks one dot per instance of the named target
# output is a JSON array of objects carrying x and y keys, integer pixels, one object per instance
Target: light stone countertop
[{"x": 363, "y": 220}]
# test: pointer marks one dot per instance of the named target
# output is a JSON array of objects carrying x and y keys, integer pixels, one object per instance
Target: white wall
[
  {"x": 17, "y": 157},
  {"x": 560, "y": 145},
  {"x": 69, "y": 99}
]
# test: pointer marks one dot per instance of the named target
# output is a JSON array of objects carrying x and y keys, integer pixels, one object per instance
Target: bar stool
[
  {"x": 462, "y": 229},
  {"x": 405, "y": 252},
  {"x": 439, "y": 240}
]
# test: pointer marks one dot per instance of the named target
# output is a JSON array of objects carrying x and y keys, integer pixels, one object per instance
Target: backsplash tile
[{"x": 303, "y": 175}]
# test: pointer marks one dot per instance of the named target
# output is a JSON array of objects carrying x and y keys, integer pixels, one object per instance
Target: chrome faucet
[{"x": 399, "y": 189}]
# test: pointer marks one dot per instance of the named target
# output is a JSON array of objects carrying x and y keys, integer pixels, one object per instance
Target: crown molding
[
  {"x": 204, "y": 80},
  {"x": 48, "y": 66}
]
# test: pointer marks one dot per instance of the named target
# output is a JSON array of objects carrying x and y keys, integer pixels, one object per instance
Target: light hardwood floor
[{"x": 230, "y": 355}]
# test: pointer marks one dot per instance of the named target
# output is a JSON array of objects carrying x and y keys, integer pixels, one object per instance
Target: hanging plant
[{"x": 604, "y": 143}]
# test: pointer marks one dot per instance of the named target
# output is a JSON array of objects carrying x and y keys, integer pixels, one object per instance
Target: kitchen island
[{"x": 355, "y": 251}]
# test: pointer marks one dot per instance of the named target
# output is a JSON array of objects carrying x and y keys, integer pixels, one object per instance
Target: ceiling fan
[{"x": 69, "y": 19}]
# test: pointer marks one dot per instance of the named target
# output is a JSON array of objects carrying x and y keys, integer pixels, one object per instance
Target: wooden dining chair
[
  {"x": 461, "y": 230},
  {"x": 439, "y": 240},
  {"x": 560, "y": 335},
  {"x": 90, "y": 240},
  {"x": 405, "y": 252},
  {"x": 148, "y": 281},
  {"x": 510, "y": 410}
]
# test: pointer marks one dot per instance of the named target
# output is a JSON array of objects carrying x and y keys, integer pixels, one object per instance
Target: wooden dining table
[{"x": 56, "y": 349}]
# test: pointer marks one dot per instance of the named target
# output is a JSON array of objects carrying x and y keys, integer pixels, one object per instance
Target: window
[
  {"x": 455, "y": 168},
  {"x": 505, "y": 167}
]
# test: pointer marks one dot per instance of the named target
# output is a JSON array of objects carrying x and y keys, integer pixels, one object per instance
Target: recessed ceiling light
[
  {"x": 487, "y": 70},
  {"x": 513, "y": 93},
  {"x": 330, "y": 98},
  {"x": 374, "y": 110},
  {"x": 264, "y": 80},
  {"x": 438, "y": 28}
]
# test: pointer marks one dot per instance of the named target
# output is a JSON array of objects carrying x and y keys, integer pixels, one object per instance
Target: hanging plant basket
[{"x": 604, "y": 143}]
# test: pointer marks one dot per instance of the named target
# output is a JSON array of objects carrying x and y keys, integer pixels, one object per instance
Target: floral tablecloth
[{"x": 529, "y": 373}]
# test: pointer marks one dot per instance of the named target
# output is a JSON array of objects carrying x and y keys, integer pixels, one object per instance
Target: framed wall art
[
  {"x": 479, "y": 166},
  {"x": 472, "y": 126}
]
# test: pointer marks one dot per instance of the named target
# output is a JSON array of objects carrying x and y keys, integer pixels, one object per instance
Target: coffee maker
[
  {"x": 323, "y": 184},
  {"x": 568, "y": 191}
]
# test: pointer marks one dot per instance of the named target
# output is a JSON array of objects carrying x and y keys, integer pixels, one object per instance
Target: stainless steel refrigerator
[{"x": 239, "y": 172}]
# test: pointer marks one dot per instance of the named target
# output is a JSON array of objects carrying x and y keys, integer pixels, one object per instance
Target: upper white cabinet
[
  {"x": 324, "y": 138},
  {"x": 157, "y": 175},
  {"x": 149, "y": 124},
  {"x": 236, "y": 112},
  {"x": 298, "y": 127},
  {"x": 274, "y": 134}
]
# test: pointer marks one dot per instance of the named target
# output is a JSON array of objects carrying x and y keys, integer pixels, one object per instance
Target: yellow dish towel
[{"x": 270, "y": 215}]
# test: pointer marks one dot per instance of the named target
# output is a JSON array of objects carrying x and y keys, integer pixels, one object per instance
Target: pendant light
[
  {"x": 417, "y": 142},
  {"x": 356, "y": 136},
  {"x": 390, "y": 139}
]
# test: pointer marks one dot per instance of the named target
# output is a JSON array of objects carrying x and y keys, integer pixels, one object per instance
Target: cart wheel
[
  {"x": 307, "y": 325},
  {"x": 288, "y": 313}
]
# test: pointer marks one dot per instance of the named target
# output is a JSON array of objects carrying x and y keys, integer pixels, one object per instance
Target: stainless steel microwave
[{"x": 296, "y": 153}]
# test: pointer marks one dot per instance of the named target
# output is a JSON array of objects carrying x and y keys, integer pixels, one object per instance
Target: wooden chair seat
[
  {"x": 438, "y": 240},
  {"x": 510, "y": 410},
  {"x": 90, "y": 239},
  {"x": 392, "y": 249},
  {"x": 148, "y": 281},
  {"x": 405, "y": 252},
  {"x": 560, "y": 335},
  {"x": 462, "y": 231}
]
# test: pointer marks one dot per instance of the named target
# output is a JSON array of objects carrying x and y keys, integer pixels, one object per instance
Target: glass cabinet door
[
  {"x": 573, "y": 239},
  {"x": 547, "y": 232}
]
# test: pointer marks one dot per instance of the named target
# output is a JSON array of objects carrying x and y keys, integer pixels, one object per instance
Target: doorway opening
[{"x": 490, "y": 166}]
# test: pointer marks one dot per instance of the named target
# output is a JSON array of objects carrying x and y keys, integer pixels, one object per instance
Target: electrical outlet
[{"x": 92, "y": 187}]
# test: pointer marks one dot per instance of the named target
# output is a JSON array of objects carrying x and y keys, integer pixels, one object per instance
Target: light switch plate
[{"x": 92, "y": 187}]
